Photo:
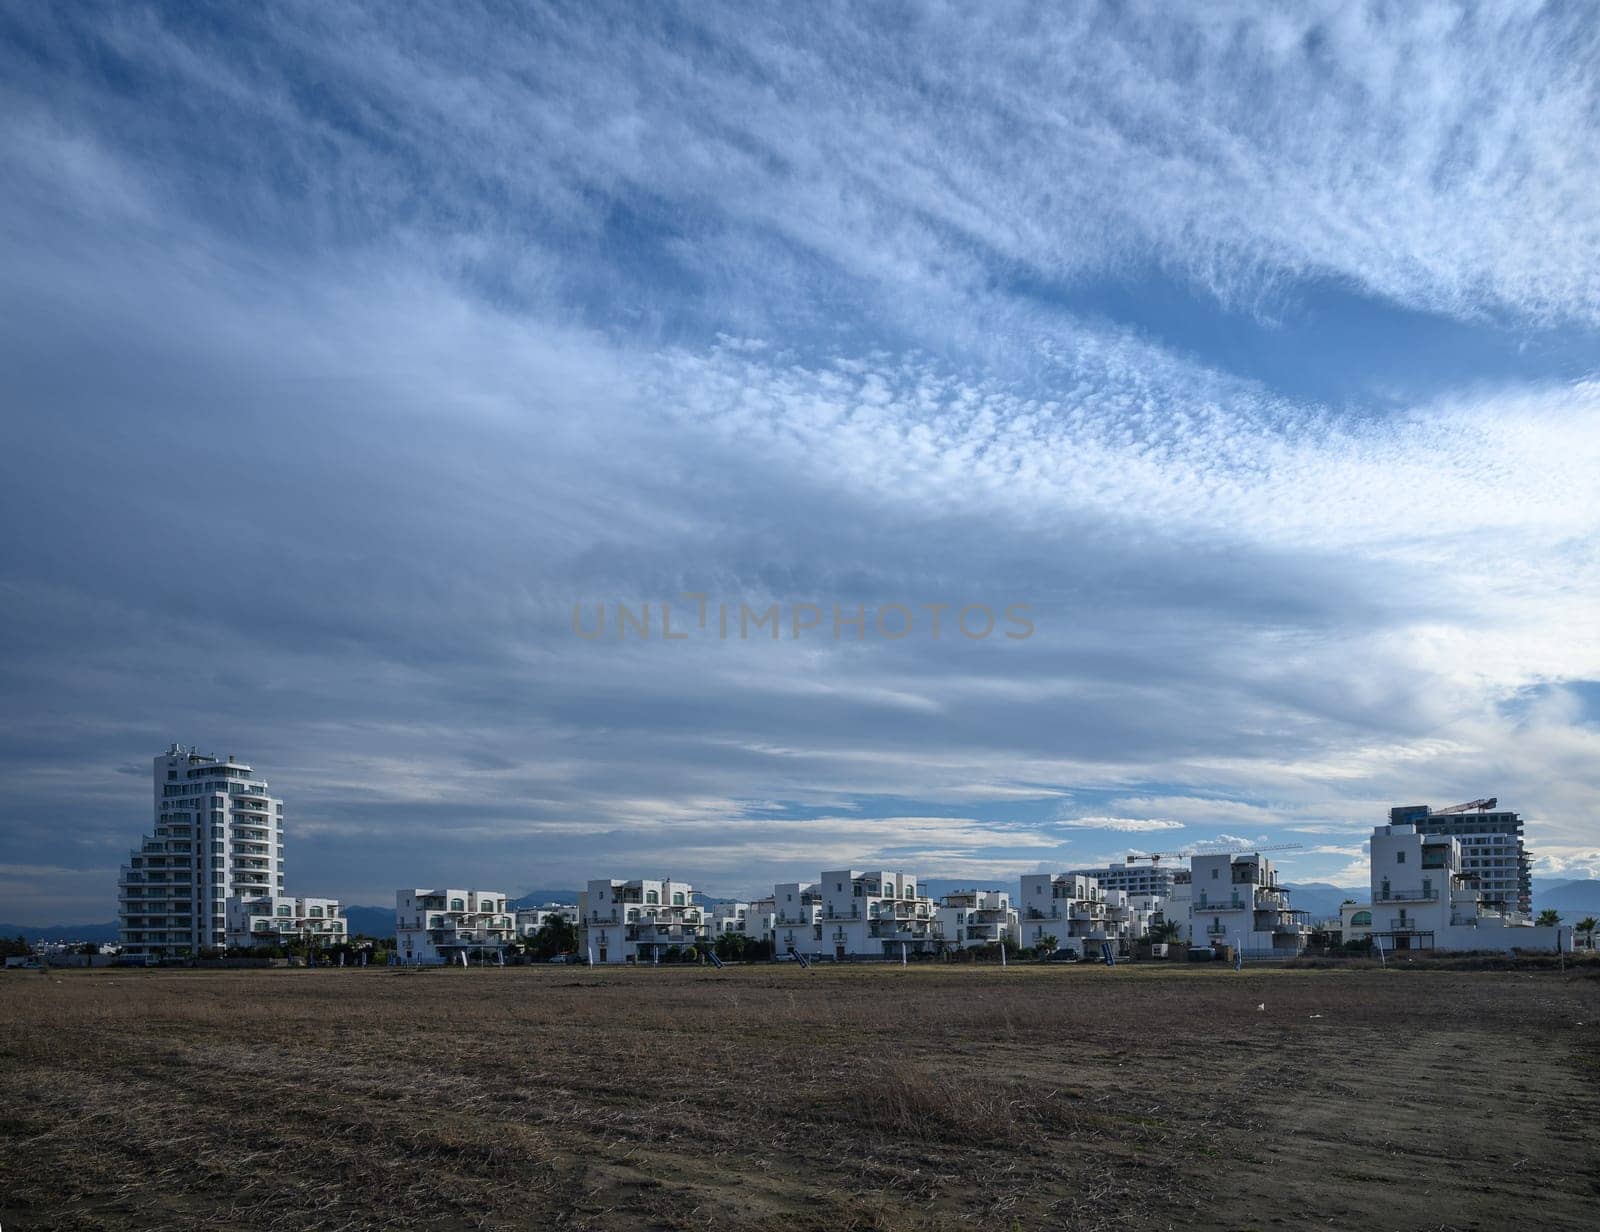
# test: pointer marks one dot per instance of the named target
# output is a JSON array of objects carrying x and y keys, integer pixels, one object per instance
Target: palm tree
[
  {"x": 1548, "y": 918},
  {"x": 1169, "y": 931},
  {"x": 1586, "y": 927}
]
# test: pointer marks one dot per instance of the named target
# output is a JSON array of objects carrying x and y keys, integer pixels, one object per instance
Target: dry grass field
[{"x": 775, "y": 1098}]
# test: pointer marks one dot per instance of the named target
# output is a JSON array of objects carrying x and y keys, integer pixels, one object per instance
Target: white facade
[
  {"x": 531, "y": 919},
  {"x": 725, "y": 916},
  {"x": 970, "y": 919},
  {"x": 441, "y": 926},
  {"x": 276, "y": 919},
  {"x": 797, "y": 918},
  {"x": 1129, "y": 916},
  {"x": 1070, "y": 907},
  {"x": 760, "y": 918},
  {"x": 1355, "y": 921},
  {"x": 873, "y": 915},
  {"x": 1176, "y": 908},
  {"x": 1424, "y": 897},
  {"x": 217, "y": 834},
  {"x": 1492, "y": 849},
  {"x": 1236, "y": 900},
  {"x": 639, "y": 920},
  {"x": 1137, "y": 876}
]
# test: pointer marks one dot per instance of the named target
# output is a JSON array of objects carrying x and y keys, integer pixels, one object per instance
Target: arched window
[
  {"x": 633, "y": 915},
  {"x": 911, "y": 891},
  {"x": 677, "y": 899},
  {"x": 873, "y": 910},
  {"x": 457, "y": 904},
  {"x": 1361, "y": 919},
  {"x": 650, "y": 896}
]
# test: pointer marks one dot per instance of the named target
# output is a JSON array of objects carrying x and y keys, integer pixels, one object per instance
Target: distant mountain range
[
  {"x": 61, "y": 932},
  {"x": 1573, "y": 899}
]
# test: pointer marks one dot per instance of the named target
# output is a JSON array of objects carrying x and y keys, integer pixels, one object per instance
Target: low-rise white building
[
  {"x": 797, "y": 918},
  {"x": 531, "y": 919},
  {"x": 1237, "y": 900},
  {"x": 1355, "y": 922},
  {"x": 442, "y": 926},
  {"x": 724, "y": 916},
  {"x": 759, "y": 920},
  {"x": 1129, "y": 916},
  {"x": 1424, "y": 898},
  {"x": 277, "y": 919},
  {"x": 1066, "y": 911},
  {"x": 638, "y": 921},
  {"x": 971, "y": 919},
  {"x": 874, "y": 915}
]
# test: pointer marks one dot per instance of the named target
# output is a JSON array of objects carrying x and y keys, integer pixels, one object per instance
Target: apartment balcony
[
  {"x": 1202, "y": 905},
  {"x": 1216, "y": 930},
  {"x": 1406, "y": 925},
  {"x": 1419, "y": 894}
]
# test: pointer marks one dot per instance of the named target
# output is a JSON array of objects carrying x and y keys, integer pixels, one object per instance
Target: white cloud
[{"x": 1127, "y": 825}]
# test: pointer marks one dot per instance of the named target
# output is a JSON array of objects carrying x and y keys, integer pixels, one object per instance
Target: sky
[{"x": 1255, "y": 350}]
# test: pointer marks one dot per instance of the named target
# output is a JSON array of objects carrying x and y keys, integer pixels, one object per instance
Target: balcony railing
[{"x": 1417, "y": 894}]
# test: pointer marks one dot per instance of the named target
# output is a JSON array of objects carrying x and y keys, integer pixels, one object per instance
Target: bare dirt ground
[{"x": 774, "y": 1098}]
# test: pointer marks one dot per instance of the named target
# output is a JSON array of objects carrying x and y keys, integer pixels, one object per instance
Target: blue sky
[{"x": 347, "y": 347}]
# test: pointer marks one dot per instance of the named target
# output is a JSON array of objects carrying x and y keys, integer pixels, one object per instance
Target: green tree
[
  {"x": 1585, "y": 928},
  {"x": 557, "y": 935},
  {"x": 1548, "y": 918},
  {"x": 1167, "y": 931}
]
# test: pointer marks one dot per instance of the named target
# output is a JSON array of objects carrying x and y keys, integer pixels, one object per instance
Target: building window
[
  {"x": 677, "y": 900},
  {"x": 1399, "y": 857},
  {"x": 457, "y": 904},
  {"x": 650, "y": 896},
  {"x": 1361, "y": 919}
]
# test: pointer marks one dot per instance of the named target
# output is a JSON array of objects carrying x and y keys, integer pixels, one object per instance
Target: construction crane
[
  {"x": 1469, "y": 806},
  {"x": 1155, "y": 857}
]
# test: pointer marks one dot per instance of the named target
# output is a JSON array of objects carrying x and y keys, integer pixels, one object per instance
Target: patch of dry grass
[{"x": 887, "y": 1098}]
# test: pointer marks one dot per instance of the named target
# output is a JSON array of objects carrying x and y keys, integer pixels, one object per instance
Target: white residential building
[
  {"x": 1355, "y": 922},
  {"x": 1069, "y": 907},
  {"x": 1236, "y": 900},
  {"x": 971, "y": 919},
  {"x": 1175, "y": 910},
  {"x": 797, "y": 918},
  {"x": 724, "y": 916},
  {"x": 1129, "y": 917},
  {"x": 639, "y": 920},
  {"x": 217, "y": 834},
  {"x": 1425, "y": 897},
  {"x": 1137, "y": 876},
  {"x": 440, "y": 926},
  {"x": 1492, "y": 848},
  {"x": 759, "y": 919},
  {"x": 276, "y": 919},
  {"x": 874, "y": 915},
  {"x": 531, "y": 919}
]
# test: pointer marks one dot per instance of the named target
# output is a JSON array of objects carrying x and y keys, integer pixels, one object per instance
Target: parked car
[
  {"x": 1064, "y": 956},
  {"x": 1200, "y": 953},
  {"x": 563, "y": 958}
]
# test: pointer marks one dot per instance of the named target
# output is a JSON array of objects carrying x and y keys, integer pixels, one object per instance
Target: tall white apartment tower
[{"x": 217, "y": 834}]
